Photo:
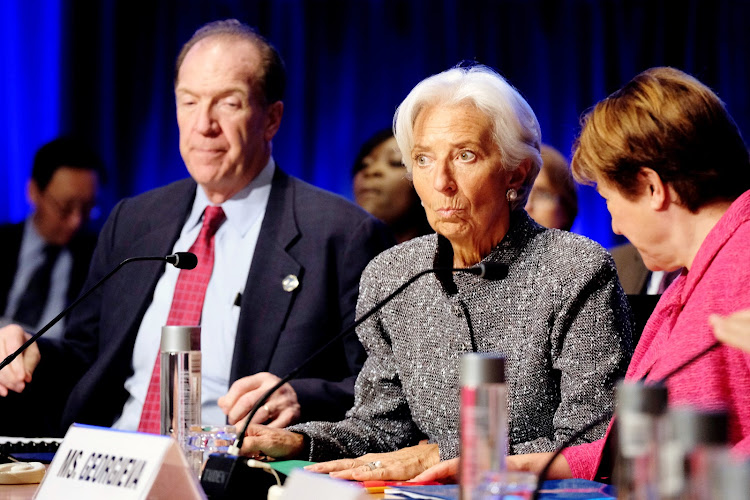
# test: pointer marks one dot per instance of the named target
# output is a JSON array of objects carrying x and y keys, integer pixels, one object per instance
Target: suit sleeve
[
  {"x": 590, "y": 350},
  {"x": 322, "y": 399}
]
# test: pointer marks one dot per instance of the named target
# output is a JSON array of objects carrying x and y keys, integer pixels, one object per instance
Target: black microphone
[
  {"x": 181, "y": 260},
  {"x": 572, "y": 439},
  {"x": 221, "y": 481}
]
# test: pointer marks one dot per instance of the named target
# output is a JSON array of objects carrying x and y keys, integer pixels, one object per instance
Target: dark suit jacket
[
  {"x": 631, "y": 270},
  {"x": 81, "y": 247},
  {"x": 319, "y": 237}
]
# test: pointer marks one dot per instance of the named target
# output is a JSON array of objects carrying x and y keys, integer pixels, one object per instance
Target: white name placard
[{"x": 96, "y": 462}]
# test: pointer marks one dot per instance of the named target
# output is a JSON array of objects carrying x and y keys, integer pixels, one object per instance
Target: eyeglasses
[{"x": 87, "y": 209}]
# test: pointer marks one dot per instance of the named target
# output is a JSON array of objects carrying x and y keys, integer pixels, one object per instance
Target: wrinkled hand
[
  {"x": 398, "y": 465},
  {"x": 733, "y": 329},
  {"x": 444, "y": 472},
  {"x": 281, "y": 409},
  {"x": 276, "y": 443},
  {"x": 17, "y": 374}
]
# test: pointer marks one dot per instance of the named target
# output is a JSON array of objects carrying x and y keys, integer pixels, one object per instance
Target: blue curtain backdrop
[{"x": 104, "y": 71}]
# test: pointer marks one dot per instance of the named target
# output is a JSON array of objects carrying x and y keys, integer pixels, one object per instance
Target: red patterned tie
[{"x": 187, "y": 305}]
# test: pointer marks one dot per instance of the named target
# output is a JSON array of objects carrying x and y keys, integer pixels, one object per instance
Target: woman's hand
[
  {"x": 398, "y": 465},
  {"x": 447, "y": 471},
  {"x": 535, "y": 462},
  {"x": 444, "y": 472},
  {"x": 276, "y": 443},
  {"x": 733, "y": 330}
]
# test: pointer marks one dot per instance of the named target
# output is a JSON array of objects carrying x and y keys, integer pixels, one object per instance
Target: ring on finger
[{"x": 377, "y": 464}]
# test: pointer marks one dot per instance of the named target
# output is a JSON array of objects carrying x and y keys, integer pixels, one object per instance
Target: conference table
[{"x": 570, "y": 488}]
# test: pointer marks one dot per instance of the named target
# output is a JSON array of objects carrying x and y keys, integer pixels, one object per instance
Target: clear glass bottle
[
  {"x": 180, "y": 380},
  {"x": 641, "y": 427},
  {"x": 483, "y": 421},
  {"x": 695, "y": 444}
]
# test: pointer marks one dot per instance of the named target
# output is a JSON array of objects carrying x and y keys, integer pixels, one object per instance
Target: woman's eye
[
  {"x": 421, "y": 160},
  {"x": 467, "y": 156}
]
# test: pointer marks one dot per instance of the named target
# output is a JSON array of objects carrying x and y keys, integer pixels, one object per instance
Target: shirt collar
[
  {"x": 243, "y": 208},
  {"x": 33, "y": 241}
]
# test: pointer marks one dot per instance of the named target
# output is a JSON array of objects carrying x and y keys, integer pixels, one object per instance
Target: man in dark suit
[
  {"x": 46, "y": 257},
  {"x": 286, "y": 265}
]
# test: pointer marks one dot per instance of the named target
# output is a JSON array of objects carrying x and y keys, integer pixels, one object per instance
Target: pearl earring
[{"x": 511, "y": 194}]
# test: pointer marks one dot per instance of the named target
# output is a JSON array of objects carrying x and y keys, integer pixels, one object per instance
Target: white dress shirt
[
  {"x": 30, "y": 257},
  {"x": 234, "y": 246}
]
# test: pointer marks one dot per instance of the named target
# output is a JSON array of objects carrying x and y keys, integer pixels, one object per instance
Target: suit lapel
[
  {"x": 158, "y": 238},
  {"x": 265, "y": 304}
]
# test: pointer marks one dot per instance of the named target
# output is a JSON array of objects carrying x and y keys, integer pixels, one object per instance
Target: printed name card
[{"x": 96, "y": 462}]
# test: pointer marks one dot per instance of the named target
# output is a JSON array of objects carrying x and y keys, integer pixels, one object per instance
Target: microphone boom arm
[
  {"x": 80, "y": 298},
  {"x": 491, "y": 271}
]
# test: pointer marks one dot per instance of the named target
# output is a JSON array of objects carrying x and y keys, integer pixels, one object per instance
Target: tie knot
[{"x": 213, "y": 217}]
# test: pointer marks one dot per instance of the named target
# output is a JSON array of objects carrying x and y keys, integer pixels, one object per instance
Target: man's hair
[
  {"x": 668, "y": 121},
  {"x": 271, "y": 81},
  {"x": 64, "y": 152},
  {"x": 515, "y": 129}
]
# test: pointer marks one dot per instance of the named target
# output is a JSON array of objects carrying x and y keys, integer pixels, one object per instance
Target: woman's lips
[{"x": 448, "y": 212}]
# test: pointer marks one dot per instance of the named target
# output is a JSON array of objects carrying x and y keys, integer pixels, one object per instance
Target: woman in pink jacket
[{"x": 674, "y": 170}]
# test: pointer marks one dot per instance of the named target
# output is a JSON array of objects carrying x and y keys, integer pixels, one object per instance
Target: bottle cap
[
  {"x": 699, "y": 427},
  {"x": 482, "y": 368},
  {"x": 638, "y": 397},
  {"x": 180, "y": 338}
]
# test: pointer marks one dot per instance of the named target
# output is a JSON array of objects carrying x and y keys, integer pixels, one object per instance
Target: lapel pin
[{"x": 290, "y": 283}]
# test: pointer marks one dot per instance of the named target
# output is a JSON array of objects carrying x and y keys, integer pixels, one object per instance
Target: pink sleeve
[{"x": 583, "y": 459}]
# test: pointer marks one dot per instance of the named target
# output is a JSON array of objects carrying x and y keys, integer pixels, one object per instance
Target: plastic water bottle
[
  {"x": 180, "y": 380},
  {"x": 483, "y": 421}
]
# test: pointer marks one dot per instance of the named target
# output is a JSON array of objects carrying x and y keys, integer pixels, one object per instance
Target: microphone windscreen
[
  {"x": 494, "y": 270},
  {"x": 184, "y": 260}
]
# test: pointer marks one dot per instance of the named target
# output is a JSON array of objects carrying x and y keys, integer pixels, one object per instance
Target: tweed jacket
[
  {"x": 559, "y": 317},
  {"x": 679, "y": 329}
]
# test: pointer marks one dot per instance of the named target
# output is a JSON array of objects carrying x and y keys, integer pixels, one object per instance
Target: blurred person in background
[
  {"x": 46, "y": 257},
  {"x": 382, "y": 187},
  {"x": 553, "y": 200}
]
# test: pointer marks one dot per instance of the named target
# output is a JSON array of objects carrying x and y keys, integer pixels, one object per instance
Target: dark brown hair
[{"x": 668, "y": 121}]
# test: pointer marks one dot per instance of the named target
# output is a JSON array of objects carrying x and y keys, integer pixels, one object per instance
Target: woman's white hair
[{"x": 516, "y": 129}]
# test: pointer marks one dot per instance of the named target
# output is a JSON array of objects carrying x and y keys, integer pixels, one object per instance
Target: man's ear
[
  {"x": 34, "y": 193},
  {"x": 273, "y": 121},
  {"x": 658, "y": 191}
]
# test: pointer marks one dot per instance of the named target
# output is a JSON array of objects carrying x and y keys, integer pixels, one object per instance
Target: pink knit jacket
[{"x": 718, "y": 282}]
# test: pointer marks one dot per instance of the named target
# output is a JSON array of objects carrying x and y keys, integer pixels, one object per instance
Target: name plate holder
[{"x": 97, "y": 462}]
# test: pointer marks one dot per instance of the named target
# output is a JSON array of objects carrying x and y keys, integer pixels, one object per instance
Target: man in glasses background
[{"x": 44, "y": 259}]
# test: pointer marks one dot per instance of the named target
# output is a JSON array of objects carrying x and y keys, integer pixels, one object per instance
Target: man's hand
[
  {"x": 281, "y": 409},
  {"x": 276, "y": 443},
  {"x": 16, "y": 375},
  {"x": 398, "y": 465}
]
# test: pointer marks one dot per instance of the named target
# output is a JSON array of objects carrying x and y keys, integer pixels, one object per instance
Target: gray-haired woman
[{"x": 471, "y": 144}]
